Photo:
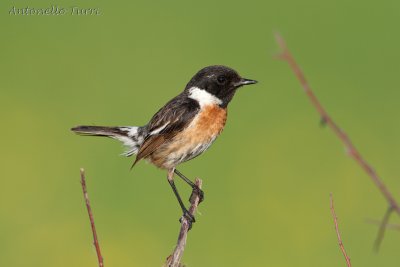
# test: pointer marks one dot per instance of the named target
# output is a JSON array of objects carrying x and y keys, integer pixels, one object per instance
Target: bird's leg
[
  {"x": 186, "y": 213},
  {"x": 195, "y": 188}
]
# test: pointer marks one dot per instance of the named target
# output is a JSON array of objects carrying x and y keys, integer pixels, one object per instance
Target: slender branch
[
  {"x": 175, "y": 258},
  {"x": 326, "y": 119},
  {"x": 382, "y": 228},
  {"x": 335, "y": 219},
  {"x": 391, "y": 226},
  {"x": 95, "y": 239}
]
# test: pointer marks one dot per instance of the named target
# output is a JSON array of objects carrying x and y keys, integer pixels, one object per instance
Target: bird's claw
[
  {"x": 189, "y": 218},
  {"x": 196, "y": 191}
]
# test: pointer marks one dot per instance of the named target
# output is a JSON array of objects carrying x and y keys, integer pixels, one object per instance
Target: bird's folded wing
[{"x": 175, "y": 116}]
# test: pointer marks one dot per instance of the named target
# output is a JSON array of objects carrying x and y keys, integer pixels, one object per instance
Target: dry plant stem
[
  {"x": 335, "y": 219},
  {"x": 326, "y": 119},
  {"x": 286, "y": 55},
  {"x": 382, "y": 228},
  {"x": 388, "y": 226},
  {"x": 174, "y": 259},
  {"x": 95, "y": 240}
]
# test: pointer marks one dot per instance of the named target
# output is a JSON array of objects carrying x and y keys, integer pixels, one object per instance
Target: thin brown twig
[
  {"x": 335, "y": 219},
  {"x": 390, "y": 226},
  {"x": 326, "y": 119},
  {"x": 382, "y": 228},
  {"x": 89, "y": 209},
  {"x": 175, "y": 258}
]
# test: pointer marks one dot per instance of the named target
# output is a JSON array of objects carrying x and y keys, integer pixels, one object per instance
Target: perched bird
[{"x": 183, "y": 128}]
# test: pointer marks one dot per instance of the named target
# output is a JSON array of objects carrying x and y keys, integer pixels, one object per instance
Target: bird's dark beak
[{"x": 244, "y": 81}]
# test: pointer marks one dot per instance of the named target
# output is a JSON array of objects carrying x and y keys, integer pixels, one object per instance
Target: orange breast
[
  {"x": 192, "y": 141},
  {"x": 210, "y": 122}
]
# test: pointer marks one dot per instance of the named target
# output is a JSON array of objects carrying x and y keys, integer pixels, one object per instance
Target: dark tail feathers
[{"x": 131, "y": 136}]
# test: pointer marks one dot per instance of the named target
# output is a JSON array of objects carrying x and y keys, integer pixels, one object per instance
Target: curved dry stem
[
  {"x": 89, "y": 210},
  {"x": 335, "y": 220},
  {"x": 327, "y": 120}
]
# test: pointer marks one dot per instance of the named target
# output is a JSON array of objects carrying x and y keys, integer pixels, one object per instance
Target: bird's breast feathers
[{"x": 194, "y": 139}]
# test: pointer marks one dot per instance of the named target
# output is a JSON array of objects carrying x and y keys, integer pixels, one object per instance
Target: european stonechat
[{"x": 183, "y": 128}]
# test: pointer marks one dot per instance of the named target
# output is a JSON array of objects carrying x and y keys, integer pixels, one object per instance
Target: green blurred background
[{"x": 267, "y": 179}]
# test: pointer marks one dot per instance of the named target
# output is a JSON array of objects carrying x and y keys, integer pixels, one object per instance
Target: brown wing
[{"x": 175, "y": 116}]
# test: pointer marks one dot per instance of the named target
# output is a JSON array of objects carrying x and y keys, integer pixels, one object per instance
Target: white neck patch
[{"x": 203, "y": 97}]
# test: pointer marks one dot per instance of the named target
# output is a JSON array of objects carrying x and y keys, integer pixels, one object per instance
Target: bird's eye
[{"x": 221, "y": 79}]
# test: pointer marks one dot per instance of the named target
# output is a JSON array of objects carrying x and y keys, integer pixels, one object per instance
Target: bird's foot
[
  {"x": 189, "y": 218},
  {"x": 196, "y": 191}
]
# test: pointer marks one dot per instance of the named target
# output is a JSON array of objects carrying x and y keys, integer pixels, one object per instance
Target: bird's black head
[{"x": 215, "y": 83}]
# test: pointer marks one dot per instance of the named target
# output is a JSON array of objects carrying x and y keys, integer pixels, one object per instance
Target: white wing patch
[
  {"x": 203, "y": 97},
  {"x": 159, "y": 129}
]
